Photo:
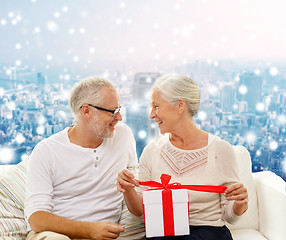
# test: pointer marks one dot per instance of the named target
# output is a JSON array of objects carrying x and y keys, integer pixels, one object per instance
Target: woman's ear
[{"x": 181, "y": 103}]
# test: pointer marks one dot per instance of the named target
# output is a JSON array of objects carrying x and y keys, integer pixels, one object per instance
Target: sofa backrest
[
  {"x": 12, "y": 196},
  {"x": 4, "y": 169},
  {"x": 14, "y": 180},
  {"x": 250, "y": 218}
]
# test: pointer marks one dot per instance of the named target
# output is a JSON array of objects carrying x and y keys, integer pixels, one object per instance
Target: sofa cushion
[
  {"x": 247, "y": 234},
  {"x": 134, "y": 226},
  {"x": 271, "y": 192},
  {"x": 12, "y": 197},
  {"x": 250, "y": 218}
]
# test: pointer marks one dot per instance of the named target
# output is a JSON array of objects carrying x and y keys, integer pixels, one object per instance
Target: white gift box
[{"x": 154, "y": 213}]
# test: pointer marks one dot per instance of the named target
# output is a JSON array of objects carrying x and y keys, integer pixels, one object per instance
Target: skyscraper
[
  {"x": 227, "y": 98},
  {"x": 41, "y": 81},
  {"x": 253, "y": 93},
  {"x": 137, "y": 111},
  {"x": 142, "y": 84}
]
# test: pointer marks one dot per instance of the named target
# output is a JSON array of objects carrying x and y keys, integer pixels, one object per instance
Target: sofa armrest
[
  {"x": 4, "y": 169},
  {"x": 271, "y": 195}
]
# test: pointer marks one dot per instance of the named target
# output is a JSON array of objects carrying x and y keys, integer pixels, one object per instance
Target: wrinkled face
[
  {"x": 103, "y": 123},
  {"x": 163, "y": 113}
]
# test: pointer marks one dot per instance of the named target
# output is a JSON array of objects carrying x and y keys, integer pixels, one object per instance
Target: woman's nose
[{"x": 152, "y": 114}]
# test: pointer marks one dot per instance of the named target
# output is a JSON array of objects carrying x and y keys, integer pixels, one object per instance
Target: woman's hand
[
  {"x": 126, "y": 184},
  {"x": 238, "y": 193},
  {"x": 126, "y": 180}
]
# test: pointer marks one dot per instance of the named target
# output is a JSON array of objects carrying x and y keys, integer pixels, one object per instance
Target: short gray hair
[
  {"x": 88, "y": 91},
  {"x": 174, "y": 87}
]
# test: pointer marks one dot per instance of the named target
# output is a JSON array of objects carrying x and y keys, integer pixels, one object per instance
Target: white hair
[
  {"x": 174, "y": 87},
  {"x": 88, "y": 91}
]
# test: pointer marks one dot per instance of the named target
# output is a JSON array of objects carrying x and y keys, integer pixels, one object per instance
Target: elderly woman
[{"x": 191, "y": 156}]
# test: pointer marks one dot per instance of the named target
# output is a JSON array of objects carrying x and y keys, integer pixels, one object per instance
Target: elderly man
[{"x": 71, "y": 183}]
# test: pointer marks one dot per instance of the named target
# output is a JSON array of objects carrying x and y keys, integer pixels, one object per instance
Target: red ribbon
[
  {"x": 165, "y": 179},
  {"x": 167, "y": 201}
]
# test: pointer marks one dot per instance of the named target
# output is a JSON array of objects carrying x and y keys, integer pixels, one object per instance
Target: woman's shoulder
[
  {"x": 158, "y": 143},
  {"x": 220, "y": 146},
  {"x": 218, "y": 142},
  {"x": 222, "y": 149}
]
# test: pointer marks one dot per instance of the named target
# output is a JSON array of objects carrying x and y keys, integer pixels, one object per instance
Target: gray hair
[
  {"x": 88, "y": 91},
  {"x": 174, "y": 87}
]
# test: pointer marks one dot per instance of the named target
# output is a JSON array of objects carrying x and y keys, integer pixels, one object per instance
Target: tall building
[
  {"x": 138, "y": 111},
  {"x": 227, "y": 98},
  {"x": 137, "y": 119},
  {"x": 7, "y": 83},
  {"x": 41, "y": 81},
  {"x": 142, "y": 84},
  {"x": 253, "y": 94},
  {"x": 242, "y": 107}
]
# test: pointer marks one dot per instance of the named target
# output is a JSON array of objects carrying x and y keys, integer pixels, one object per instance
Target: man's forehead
[{"x": 110, "y": 96}]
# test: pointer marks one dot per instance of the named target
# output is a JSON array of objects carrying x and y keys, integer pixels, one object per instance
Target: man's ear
[{"x": 85, "y": 111}]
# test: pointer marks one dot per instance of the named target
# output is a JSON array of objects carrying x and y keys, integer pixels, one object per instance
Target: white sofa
[
  {"x": 266, "y": 215},
  {"x": 265, "y": 218}
]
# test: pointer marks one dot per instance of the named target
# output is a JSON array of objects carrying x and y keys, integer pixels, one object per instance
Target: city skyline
[
  {"x": 231, "y": 108},
  {"x": 235, "y": 50}
]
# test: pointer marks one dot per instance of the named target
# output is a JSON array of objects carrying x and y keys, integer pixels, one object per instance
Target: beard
[{"x": 101, "y": 129}]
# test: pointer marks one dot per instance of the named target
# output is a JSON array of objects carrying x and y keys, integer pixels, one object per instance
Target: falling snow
[{"x": 66, "y": 41}]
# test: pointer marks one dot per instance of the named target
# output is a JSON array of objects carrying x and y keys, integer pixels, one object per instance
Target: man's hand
[
  {"x": 105, "y": 230},
  {"x": 44, "y": 221}
]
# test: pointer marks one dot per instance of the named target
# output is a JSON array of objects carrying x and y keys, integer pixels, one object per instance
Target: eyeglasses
[{"x": 114, "y": 112}]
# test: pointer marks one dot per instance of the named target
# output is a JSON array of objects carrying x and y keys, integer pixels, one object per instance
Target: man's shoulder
[
  {"x": 54, "y": 139},
  {"x": 122, "y": 125},
  {"x": 122, "y": 129}
]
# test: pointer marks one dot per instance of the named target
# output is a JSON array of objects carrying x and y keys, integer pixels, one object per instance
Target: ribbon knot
[{"x": 165, "y": 179}]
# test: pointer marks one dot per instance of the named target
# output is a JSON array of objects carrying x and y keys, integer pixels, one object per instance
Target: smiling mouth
[{"x": 113, "y": 124}]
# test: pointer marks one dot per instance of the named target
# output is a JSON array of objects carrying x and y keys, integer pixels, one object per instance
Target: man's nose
[{"x": 118, "y": 116}]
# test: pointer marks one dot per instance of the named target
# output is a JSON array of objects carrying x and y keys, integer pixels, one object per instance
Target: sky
[{"x": 92, "y": 35}]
